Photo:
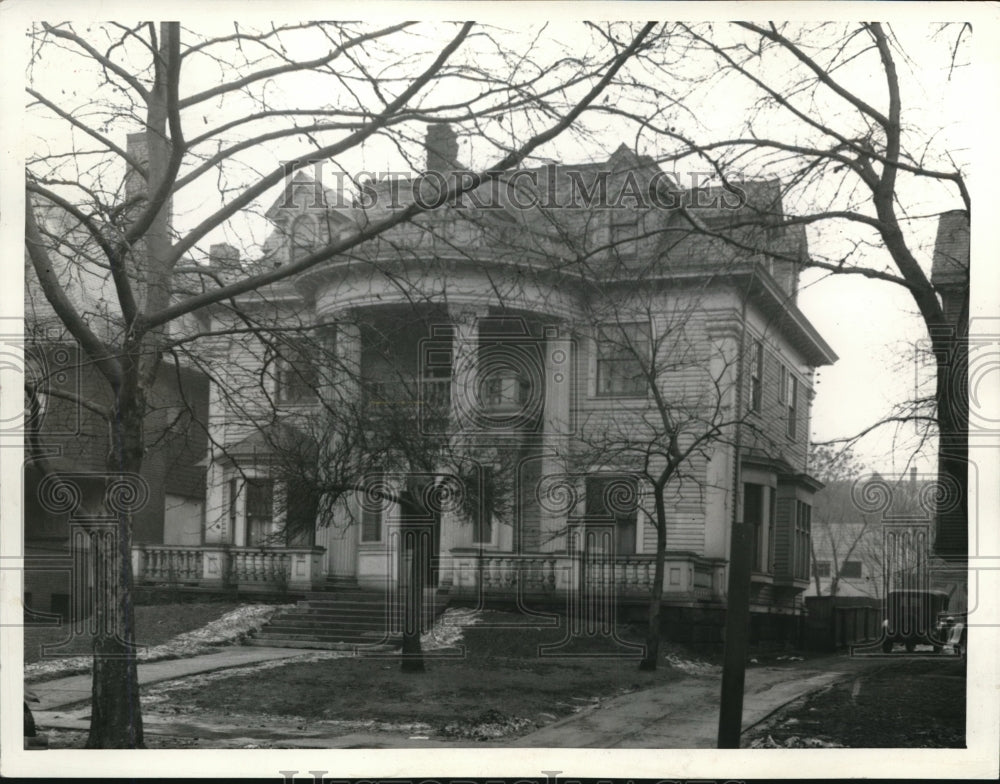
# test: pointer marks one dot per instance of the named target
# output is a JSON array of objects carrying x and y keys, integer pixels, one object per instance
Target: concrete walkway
[
  {"x": 61, "y": 692},
  {"x": 680, "y": 715}
]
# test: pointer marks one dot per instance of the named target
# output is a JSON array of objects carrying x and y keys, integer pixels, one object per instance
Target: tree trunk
[
  {"x": 414, "y": 520},
  {"x": 116, "y": 718},
  {"x": 952, "y": 499},
  {"x": 649, "y": 660}
]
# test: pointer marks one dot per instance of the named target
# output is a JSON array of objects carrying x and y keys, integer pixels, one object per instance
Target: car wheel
[
  {"x": 886, "y": 646},
  {"x": 911, "y": 647},
  {"x": 938, "y": 649}
]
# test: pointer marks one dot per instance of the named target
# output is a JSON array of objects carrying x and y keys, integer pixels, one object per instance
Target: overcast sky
[{"x": 872, "y": 326}]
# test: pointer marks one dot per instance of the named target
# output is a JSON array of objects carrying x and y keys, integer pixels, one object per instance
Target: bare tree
[
  {"x": 216, "y": 110},
  {"x": 833, "y": 111}
]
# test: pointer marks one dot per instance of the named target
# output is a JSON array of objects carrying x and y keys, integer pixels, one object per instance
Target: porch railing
[
  {"x": 224, "y": 566},
  {"x": 686, "y": 576}
]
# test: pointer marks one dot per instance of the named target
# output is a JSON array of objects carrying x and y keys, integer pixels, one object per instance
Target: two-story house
[{"x": 560, "y": 332}]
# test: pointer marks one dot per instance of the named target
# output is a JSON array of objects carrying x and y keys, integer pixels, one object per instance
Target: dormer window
[
  {"x": 624, "y": 235},
  {"x": 304, "y": 236}
]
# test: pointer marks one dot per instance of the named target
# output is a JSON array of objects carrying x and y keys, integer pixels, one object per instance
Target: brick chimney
[
  {"x": 137, "y": 147},
  {"x": 222, "y": 254},
  {"x": 442, "y": 148}
]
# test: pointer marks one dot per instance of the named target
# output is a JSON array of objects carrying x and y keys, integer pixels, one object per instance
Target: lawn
[
  {"x": 154, "y": 624},
  {"x": 503, "y": 675},
  {"x": 907, "y": 703}
]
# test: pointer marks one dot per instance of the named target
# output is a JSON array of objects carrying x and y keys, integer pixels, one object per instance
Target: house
[
  {"x": 66, "y": 437},
  {"x": 527, "y": 330}
]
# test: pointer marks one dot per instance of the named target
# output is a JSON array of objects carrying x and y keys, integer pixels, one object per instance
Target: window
[
  {"x": 753, "y": 515},
  {"x": 792, "y": 397},
  {"x": 851, "y": 570},
  {"x": 304, "y": 236},
  {"x": 624, "y": 236},
  {"x": 296, "y": 378},
  {"x": 821, "y": 568},
  {"x": 615, "y": 499},
  {"x": 260, "y": 511},
  {"x": 756, "y": 374},
  {"x": 800, "y": 543},
  {"x": 623, "y": 352},
  {"x": 505, "y": 389},
  {"x": 482, "y": 532},
  {"x": 372, "y": 509}
]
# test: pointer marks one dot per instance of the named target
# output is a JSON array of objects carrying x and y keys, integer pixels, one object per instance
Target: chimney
[
  {"x": 138, "y": 150},
  {"x": 913, "y": 476},
  {"x": 137, "y": 146},
  {"x": 442, "y": 148},
  {"x": 223, "y": 254}
]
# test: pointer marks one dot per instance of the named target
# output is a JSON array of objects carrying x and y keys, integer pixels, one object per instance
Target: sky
[{"x": 872, "y": 326}]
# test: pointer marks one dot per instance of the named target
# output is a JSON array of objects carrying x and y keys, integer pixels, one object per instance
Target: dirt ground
[
  {"x": 493, "y": 684},
  {"x": 910, "y": 702}
]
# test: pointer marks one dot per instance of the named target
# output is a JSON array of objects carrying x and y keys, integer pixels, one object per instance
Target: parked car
[
  {"x": 952, "y": 628},
  {"x": 912, "y": 618}
]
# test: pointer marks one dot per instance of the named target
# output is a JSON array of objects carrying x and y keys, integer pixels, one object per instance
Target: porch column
[
  {"x": 347, "y": 353},
  {"x": 466, "y": 402},
  {"x": 556, "y": 427}
]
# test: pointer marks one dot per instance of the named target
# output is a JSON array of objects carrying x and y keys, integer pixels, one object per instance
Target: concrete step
[
  {"x": 329, "y": 631},
  {"x": 277, "y": 642},
  {"x": 307, "y": 634}
]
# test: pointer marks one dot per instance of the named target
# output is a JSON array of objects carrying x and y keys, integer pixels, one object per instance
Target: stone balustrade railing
[
  {"x": 495, "y": 573},
  {"x": 225, "y": 566}
]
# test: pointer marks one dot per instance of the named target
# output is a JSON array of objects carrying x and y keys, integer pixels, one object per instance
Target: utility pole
[{"x": 737, "y": 639}]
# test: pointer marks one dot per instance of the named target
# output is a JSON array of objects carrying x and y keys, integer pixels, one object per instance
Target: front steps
[{"x": 344, "y": 619}]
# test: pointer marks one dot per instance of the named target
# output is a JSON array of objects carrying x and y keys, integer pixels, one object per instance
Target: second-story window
[
  {"x": 791, "y": 398},
  {"x": 296, "y": 374},
  {"x": 756, "y": 374},
  {"x": 623, "y": 352}
]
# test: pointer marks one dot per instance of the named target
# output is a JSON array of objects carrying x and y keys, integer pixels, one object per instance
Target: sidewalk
[
  {"x": 61, "y": 692},
  {"x": 682, "y": 714}
]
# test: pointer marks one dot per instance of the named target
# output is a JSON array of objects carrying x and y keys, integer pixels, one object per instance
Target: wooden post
[{"x": 737, "y": 639}]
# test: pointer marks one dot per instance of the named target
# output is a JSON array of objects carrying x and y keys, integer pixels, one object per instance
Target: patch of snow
[
  {"x": 692, "y": 667},
  {"x": 794, "y": 742},
  {"x": 489, "y": 725},
  {"x": 447, "y": 631},
  {"x": 231, "y": 628}
]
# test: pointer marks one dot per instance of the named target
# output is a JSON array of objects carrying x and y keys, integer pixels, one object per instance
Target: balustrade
[{"x": 277, "y": 568}]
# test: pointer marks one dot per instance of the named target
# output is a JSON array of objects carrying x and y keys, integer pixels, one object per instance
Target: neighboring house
[
  {"x": 66, "y": 440},
  {"x": 504, "y": 328},
  {"x": 872, "y": 535}
]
